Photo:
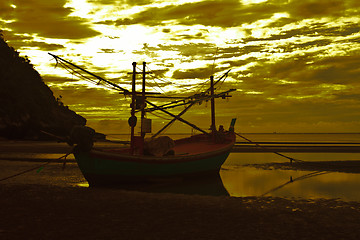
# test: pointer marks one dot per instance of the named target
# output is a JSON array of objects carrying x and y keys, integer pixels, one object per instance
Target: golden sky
[{"x": 295, "y": 63}]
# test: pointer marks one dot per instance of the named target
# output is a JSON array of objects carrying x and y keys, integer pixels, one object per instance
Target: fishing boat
[{"x": 154, "y": 158}]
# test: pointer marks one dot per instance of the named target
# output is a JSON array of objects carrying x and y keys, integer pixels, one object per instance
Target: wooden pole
[
  {"x": 143, "y": 100},
  {"x": 213, "y": 126},
  {"x": 133, "y": 107}
]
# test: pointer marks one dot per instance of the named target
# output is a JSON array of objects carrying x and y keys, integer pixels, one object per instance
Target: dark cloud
[
  {"x": 11, "y": 36},
  {"x": 107, "y": 50},
  {"x": 180, "y": 37},
  {"x": 317, "y": 8},
  {"x": 230, "y": 13},
  {"x": 225, "y": 13},
  {"x": 18, "y": 41},
  {"x": 121, "y": 2},
  {"x": 298, "y": 78},
  {"x": 339, "y": 69},
  {"x": 90, "y": 100},
  {"x": 39, "y": 45},
  {"x": 314, "y": 30},
  {"x": 193, "y": 73},
  {"x": 6, "y": 9},
  {"x": 46, "y": 19}
]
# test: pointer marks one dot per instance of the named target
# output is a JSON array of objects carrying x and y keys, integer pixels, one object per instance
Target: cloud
[
  {"x": 301, "y": 80},
  {"x": 317, "y": 8},
  {"x": 121, "y": 2},
  {"x": 225, "y": 13},
  {"x": 49, "y": 19},
  {"x": 193, "y": 73},
  {"x": 6, "y": 9},
  {"x": 232, "y": 13}
]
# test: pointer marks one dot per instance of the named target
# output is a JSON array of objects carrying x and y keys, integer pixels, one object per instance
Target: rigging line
[
  {"x": 262, "y": 147},
  {"x": 158, "y": 86},
  {"x": 221, "y": 82},
  {"x": 81, "y": 76},
  {"x": 167, "y": 82},
  {"x": 74, "y": 72},
  {"x": 125, "y": 91},
  {"x": 179, "y": 85},
  {"x": 178, "y": 118},
  {"x": 173, "y": 120},
  {"x": 140, "y": 70},
  {"x": 86, "y": 78},
  {"x": 160, "y": 79},
  {"x": 308, "y": 175},
  {"x": 198, "y": 99},
  {"x": 194, "y": 96},
  {"x": 159, "y": 116},
  {"x": 34, "y": 168},
  {"x": 190, "y": 98},
  {"x": 202, "y": 86},
  {"x": 154, "y": 76}
]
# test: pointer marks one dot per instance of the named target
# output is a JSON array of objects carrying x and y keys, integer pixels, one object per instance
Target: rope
[
  {"x": 308, "y": 175},
  {"x": 39, "y": 167},
  {"x": 258, "y": 145}
]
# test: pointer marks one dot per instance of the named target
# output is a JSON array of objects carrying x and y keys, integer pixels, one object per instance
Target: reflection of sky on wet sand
[
  {"x": 51, "y": 174},
  {"x": 249, "y": 181}
]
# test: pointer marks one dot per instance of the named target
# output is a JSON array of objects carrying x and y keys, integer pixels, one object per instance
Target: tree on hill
[{"x": 27, "y": 105}]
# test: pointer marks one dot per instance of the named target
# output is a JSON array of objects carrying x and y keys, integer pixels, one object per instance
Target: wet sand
[
  {"x": 352, "y": 166},
  {"x": 37, "y": 209}
]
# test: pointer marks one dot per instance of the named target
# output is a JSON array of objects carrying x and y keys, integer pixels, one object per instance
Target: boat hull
[
  {"x": 101, "y": 167},
  {"x": 106, "y": 169}
]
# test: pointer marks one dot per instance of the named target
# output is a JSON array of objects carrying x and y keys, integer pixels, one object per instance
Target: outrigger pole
[{"x": 57, "y": 58}]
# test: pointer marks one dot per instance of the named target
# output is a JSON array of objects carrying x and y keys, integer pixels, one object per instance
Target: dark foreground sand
[
  {"x": 48, "y": 212},
  {"x": 43, "y": 211}
]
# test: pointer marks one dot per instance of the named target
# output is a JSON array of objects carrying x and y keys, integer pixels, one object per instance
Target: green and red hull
[{"x": 194, "y": 157}]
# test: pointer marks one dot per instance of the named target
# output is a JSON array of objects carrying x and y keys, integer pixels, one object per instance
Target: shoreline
[{"x": 9, "y": 146}]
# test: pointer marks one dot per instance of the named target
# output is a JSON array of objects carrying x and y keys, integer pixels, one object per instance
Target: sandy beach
[
  {"x": 47, "y": 212},
  {"x": 30, "y": 210}
]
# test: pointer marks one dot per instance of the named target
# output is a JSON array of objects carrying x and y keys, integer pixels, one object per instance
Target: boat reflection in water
[{"x": 206, "y": 186}]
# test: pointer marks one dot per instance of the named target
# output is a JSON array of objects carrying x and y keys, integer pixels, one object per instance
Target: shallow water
[
  {"x": 239, "y": 174},
  {"x": 240, "y": 180},
  {"x": 238, "y": 177}
]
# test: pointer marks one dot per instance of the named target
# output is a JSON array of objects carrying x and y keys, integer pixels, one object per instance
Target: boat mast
[
  {"x": 143, "y": 101},
  {"x": 133, "y": 119},
  {"x": 213, "y": 126}
]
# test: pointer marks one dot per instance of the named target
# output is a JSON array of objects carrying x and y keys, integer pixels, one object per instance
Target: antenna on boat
[{"x": 213, "y": 66}]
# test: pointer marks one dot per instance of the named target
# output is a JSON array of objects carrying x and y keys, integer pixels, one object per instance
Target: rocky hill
[{"x": 27, "y": 105}]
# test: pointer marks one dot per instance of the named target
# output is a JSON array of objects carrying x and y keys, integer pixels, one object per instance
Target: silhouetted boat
[
  {"x": 156, "y": 158},
  {"x": 193, "y": 157}
]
